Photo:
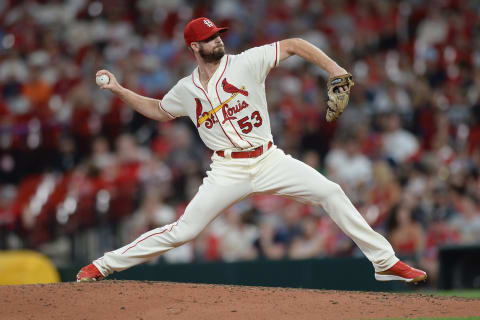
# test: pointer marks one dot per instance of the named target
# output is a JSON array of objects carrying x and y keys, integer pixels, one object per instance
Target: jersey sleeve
[
  {"x": 262, "y": 59},
  {"x": 172, "y": 104}
]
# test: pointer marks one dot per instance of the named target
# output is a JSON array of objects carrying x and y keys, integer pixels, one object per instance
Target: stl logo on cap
[
  {"x": 200, "y": 29},
  {"x": 208, "y": 23}
]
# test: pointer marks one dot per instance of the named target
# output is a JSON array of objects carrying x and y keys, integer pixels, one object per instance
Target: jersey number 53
[{"x": 247, "y": 123}]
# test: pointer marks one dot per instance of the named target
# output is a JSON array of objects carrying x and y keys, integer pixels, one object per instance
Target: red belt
[{"x": 246, "y": 154}]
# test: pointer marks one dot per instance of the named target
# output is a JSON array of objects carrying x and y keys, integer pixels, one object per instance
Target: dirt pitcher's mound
[{"x": 134, "y": 300}]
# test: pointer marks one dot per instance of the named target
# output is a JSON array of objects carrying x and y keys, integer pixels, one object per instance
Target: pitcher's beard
[{"x": 213, "y": 56}]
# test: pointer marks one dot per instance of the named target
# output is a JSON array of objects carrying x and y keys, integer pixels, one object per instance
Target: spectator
[
  {"x": 405, "y": 233},
  {"x": 128, "y": 151},
  {"x": 467, "y": 220},
  {"x": 383, "y": 195},
  {"x": 310, "y": 243},
  {"x": 398, "y": 144},
  {"x": 237, "y": 241},
  {"x": 153, "y": 213},
  {"x": 346, "y": 165},
  {"x": 101, "y": 156},
  {"x": 337, "y": 243},
  {"x": 271, "y": 244},
  {"x": 439, "y": 233}
]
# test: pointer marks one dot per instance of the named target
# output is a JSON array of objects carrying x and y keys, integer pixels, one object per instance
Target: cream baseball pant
[{"x": 231, "y": 180}]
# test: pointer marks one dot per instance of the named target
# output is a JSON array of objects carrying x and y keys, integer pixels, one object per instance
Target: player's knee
[
  {"x": 333, "y": 189},
  {"x": 336, "y": 188},
  {"x": 190, "y": 235},
  {"x": 186, "y": 234},
  {"x": 327, "y": 192}
]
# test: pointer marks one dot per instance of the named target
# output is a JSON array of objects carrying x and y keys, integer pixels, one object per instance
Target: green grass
[
  {"x": 446, "y": 293},
  {"x": 454, "y": 293},
  {"x": 468, "y": 318}
]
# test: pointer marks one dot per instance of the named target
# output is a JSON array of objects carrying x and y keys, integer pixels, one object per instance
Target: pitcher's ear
[{"x": 194, "y": 46}]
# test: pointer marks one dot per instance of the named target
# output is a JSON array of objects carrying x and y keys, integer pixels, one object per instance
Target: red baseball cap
[{"x": 200, "y": 29}]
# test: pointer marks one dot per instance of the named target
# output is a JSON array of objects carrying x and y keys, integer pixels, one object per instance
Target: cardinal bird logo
[
  {"x": 230, "y": 88},
  {"x": 199, "y": 111}
]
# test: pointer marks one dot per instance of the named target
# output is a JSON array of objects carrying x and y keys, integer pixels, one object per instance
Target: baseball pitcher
[{"x": 225, "y": 99}]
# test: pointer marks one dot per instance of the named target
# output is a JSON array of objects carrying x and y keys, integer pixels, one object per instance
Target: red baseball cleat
[
  {"x": 402, "y": 272},
  {"x": 89, "y": 273}
]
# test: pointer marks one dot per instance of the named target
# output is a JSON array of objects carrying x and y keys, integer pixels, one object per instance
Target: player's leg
[
  {"x": 283, "y": 175},
  {"x": 210, "y": 200}
]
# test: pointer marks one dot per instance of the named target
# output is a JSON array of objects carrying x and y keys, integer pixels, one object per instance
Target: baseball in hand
[{"x": 102, "y": 79}]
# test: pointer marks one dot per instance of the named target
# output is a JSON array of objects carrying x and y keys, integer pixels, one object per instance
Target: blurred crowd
[{"x": 81, "y": 173}]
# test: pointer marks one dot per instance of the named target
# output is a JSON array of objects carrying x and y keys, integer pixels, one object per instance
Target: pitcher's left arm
[{"x": 340, "y": 80}]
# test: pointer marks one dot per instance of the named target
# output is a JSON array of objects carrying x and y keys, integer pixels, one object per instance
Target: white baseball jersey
[{"x": 242, "y": 122}]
